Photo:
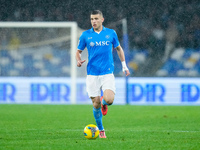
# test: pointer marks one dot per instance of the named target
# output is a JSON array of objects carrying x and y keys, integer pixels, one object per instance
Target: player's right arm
[
  {"x": 81, "y": 46},
  {"x": 78, "y": 58}
]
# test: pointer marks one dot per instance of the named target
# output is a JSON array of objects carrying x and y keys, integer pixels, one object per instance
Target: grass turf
[{"x": 58, "y": 127}]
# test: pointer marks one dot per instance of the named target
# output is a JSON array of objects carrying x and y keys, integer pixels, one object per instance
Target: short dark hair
[{"x": 95, "y": 12}]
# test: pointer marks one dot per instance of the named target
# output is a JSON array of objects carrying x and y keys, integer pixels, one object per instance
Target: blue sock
[
  {"x": 98, "y": 117},
  {"x": 104, "y": 102}
]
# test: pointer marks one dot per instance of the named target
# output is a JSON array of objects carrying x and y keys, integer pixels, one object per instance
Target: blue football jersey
[{"x": 99, "y": 46}]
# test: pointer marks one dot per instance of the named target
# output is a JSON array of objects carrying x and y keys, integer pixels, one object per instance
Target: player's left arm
[{"x": 121, "y": 55}]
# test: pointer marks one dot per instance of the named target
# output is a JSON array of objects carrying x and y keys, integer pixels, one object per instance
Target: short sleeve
[
  {"x": 81, "y": 43},
  {"x": 115, "y": 40}
]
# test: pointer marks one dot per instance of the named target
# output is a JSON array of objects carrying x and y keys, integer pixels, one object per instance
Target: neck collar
[{"x": 92, "y": 29}]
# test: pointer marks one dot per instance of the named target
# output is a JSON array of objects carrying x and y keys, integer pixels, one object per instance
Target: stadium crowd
[{"x": 148, "y": 21}]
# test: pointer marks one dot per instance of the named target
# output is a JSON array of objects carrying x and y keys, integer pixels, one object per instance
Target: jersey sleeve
[
  {"x": 81, "y": 43},
  {"x": 115, "y": 40}
]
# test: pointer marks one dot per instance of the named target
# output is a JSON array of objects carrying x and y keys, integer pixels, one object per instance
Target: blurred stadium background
[
  {"x": 162, "y": 40},
  {"x": 163, "y": 34}
]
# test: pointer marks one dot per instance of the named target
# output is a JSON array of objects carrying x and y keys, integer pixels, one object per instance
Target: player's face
[{"x": 96, "y": 21}]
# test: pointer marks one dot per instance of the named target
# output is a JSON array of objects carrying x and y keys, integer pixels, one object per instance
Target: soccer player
[{"x": 100, "y": 42}]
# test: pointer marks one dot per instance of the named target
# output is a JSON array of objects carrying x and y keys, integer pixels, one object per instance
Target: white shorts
[{"x": 94, "y": 84}]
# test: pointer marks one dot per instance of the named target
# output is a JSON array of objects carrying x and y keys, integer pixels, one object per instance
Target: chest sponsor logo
[{"x": 102, "y": 43}]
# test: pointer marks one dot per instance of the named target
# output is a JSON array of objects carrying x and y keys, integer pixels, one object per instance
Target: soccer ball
[{"x": 91, "y": 131}]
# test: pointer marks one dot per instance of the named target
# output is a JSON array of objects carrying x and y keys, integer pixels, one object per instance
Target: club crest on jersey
[
  {"x": 92, "y": 44},
  {"x": 107, "y": 36}
]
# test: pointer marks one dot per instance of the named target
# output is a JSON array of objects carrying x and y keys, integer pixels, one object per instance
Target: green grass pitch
[{"x": 57, "y": 127}]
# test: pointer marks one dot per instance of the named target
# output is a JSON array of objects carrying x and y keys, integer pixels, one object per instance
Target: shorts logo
[{"x": 92, "y": 44}]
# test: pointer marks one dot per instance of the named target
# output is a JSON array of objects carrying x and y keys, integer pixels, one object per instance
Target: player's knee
[
  {"x": 97, "y": 104},
  {"x": 109, "y": 96},
  {"x": 109, "y": 101}
]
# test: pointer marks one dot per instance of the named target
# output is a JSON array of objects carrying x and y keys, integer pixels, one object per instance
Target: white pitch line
[
  {"x": 162, "y": 131},
  {"x": 185, "y": 131},
  {"x": 73, "y": 130},
  {"x": 77, "y": 130},
  {"x": 137, "y": 130}
]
